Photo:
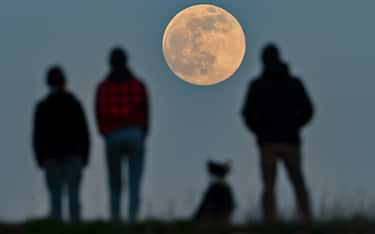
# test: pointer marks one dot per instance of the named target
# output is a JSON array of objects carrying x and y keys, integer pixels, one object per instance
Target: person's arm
[
  {"x": 83, "y": 134},
  {"x": 250, "y": 111},
  {"x": 232, "y": 202},
  {"x": 305, "y": 107},
  {"x": 38, "y": 136},
  {"x": 146, "y": 109}
]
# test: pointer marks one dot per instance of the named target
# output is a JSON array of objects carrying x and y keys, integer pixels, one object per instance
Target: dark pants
[
  {"x": 290, "y": 155},
  {"x": 60, "y": 176},
  {"x": 127, "y": 143}
]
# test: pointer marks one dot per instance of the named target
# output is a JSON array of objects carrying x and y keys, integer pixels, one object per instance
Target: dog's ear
[
  {"x": 209, "y": 165},
  {"x": 228, "y": 164}
]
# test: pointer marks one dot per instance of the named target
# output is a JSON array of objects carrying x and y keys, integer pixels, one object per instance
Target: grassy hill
[{"x": 354, "y": 226}]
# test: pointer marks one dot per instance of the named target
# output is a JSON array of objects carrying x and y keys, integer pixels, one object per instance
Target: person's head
[
  {"x": 218, "y": 170},
  {"x": 271, "y": 55},
  {"x": 118, "y": 58},
  {"x": 56, "y": 78}
]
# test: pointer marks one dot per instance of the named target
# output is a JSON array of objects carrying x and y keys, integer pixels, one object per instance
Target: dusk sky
[{"x": 328, "y": 44}]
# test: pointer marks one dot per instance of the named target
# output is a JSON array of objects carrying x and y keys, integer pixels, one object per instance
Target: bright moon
[{"x": 204, "y": 44}]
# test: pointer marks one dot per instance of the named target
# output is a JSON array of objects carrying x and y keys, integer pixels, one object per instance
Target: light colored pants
[
  {"x": 126, "y": 143},
  {"x": 290, "y": 155},
  {"x": 61, "y": 175}
]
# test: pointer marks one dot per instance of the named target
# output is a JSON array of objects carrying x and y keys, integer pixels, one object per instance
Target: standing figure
[
  {"x": 218, "y": 203},
  {"x": 122, "y": 112},
  {"x": 61, "y": 144},
  {"x": 276, "y": 108}
]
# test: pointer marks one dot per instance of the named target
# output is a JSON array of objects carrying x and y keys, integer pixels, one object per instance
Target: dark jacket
[
  {"x": 277, "y": 107},
  {"x": 217, "y": 204},
  {"x": 60, "y": 129}
]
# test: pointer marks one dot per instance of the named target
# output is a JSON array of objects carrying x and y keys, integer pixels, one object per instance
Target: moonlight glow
[{"x": 204, "y": 45}]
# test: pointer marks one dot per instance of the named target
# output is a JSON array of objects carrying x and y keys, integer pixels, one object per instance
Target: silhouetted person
[
  {"x": 61, "y": 144},
  {"x": 123, "y": 118},
  {"x": 276, "y": 108},
  {"x": 218, "y": 203}
]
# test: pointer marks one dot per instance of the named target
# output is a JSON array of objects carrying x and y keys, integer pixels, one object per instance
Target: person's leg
[
  {"x": 269, "y": 172},
  {"x": 53, "y": 175},
  {"x": 292, "y": 161},
  {"x": 114, "y": 163},
  {"x": 136, "y": 165},
  {"x": 73, "y": 176}
]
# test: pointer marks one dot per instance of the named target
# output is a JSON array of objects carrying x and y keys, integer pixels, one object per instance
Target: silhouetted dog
[{"x": 218, "y": 202}]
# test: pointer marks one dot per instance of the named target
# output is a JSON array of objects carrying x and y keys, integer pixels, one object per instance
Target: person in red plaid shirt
[{"x": 122, "y": 112}]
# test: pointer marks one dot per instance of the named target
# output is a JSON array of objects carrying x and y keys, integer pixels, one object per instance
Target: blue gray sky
[{"x": 329, "y": 44}]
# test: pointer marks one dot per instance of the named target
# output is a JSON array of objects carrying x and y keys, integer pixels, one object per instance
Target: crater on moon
[{"x": 204, "y": 44}]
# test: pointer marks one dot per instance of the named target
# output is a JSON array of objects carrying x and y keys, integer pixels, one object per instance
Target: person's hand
[
  {"x": 145, "y": 134},
  {"x": 41, "y": 165},
  {"x": 84, "y": 163}
]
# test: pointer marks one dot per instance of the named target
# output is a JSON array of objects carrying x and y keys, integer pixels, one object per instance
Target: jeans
[
  {"x": 126, "y": 143},
  {"x": 290, "y": 155},
  {"x": 61, "y": 175}
]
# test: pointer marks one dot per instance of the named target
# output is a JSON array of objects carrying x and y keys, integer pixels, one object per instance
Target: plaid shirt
[{"x": 121, "y": 104}]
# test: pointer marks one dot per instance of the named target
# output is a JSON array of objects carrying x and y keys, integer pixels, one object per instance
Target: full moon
[{"x": 204, "y": 44}]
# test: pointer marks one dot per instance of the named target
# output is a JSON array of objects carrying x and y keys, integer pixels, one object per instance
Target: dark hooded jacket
[
  {"x": 277, "y": 106},
  {"x": 60, "y": 129}
]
